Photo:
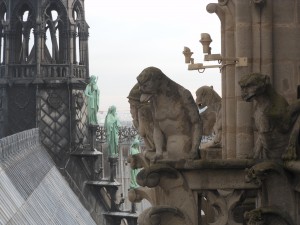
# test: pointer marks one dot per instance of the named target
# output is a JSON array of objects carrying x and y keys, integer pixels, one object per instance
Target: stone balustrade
[
  {"x": 126, "y": 134},
  {"x": 47, "y": 71}
]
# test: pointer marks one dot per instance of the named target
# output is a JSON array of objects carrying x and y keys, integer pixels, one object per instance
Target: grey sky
[{"x": 128, "y": 36}]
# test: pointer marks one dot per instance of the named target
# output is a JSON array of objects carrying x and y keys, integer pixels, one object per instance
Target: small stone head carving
[{"x": 253, "y": 85}]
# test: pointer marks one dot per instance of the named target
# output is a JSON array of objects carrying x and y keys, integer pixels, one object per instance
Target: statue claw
[
  {"x": 290, "y": 153},
  {"x": 158, "y": 156}
]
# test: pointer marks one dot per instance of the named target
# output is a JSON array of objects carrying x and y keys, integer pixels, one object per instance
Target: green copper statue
[
  {"x": 111, "y": 126},
  {"x": 92, "y": 93},
  {"x": 134, "y": 149}
]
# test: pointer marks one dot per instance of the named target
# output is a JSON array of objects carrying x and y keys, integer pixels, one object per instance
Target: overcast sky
[{"x": 128, "y": 36}]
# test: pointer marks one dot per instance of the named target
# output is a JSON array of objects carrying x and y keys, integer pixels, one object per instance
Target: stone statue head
[
  {"x": 149, "y": 80},
  {"x": 253, "y": 85},
  {"x": 206, "y": 96},
  {"x": 93, "y": 79},
  {"x": 112, "y": 110},
  {"x": 134, "y": 94}
]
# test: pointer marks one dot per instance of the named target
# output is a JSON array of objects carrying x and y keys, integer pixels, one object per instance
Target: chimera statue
[
  {"x": 142, "y": 119},
  {"x": 177, "y": 124},
  {"x": 276, "y": 121},
  {"x": 212, "y": 116}
]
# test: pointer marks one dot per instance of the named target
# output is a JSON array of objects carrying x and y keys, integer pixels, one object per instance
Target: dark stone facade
[{"x": 44, "y": 68}]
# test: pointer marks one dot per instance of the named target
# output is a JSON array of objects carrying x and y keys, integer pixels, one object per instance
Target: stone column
[
  {"x": 6, "y": 59},
  {"x": 256, "y": 39},
  {"x": 25, "y": 43},
  {"x": 83, "y": 39},
  {"x": 244, "y": 123},
  {"x": 39, "y": 46},
  {"x": 225, "y": 12},
  {"x": 113, "y": 168},
  {"x": 81, "y": 48},
  {"x": 71, "y": 47},
  {"x": 74, "y": 47},
  {"x": 2, "y": 45},
  {"x": 86, "y": 55},
  {"x": 228, "y": 83},
  {"x": 267, "y": 39}
]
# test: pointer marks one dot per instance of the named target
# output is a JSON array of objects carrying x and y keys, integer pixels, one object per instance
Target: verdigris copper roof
[{"x": 32, "y": 190}]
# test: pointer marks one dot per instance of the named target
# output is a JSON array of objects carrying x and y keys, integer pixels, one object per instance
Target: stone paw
[{"x": 290, "y": 153}]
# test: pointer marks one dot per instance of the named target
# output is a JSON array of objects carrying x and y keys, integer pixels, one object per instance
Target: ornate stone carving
[
  {"x": 172, "y": 200},
  {"x": 223, "y": 202},
  {"x": 79, "y": 100},
  {"x": 268, "y": 216},
  {"x": 177, "y": 124},
  {"x": 22, "y": 99},
  {"x": 276, "y": 121},
  {"x": 212, "y": 116},
  {"x": 150, "y": 177},
  {"x": 258, "y": 173},
  {"x": 161, "y": 215},
  {"x": 80, "y": 131},
  {"x": 54, "y": 100},
  {"x": 277, "y": 196}
]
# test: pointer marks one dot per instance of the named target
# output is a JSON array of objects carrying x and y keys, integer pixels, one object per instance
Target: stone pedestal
[
  {"x": 92, "y": 135},
  {"x": 91, "y": 160},
  {"x": 113, "y": 165},
  {"x": 133, "y": 207},
  {"x": 211, "y": 153}
]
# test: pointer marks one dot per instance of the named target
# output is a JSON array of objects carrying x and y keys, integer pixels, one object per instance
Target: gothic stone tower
[
  {"x": 43, "y": 71},
  {"x": 44, "y": 68}
]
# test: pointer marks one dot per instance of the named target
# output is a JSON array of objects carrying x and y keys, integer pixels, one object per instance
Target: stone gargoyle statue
[
  {"x": 276, "y": 121},
  {"x": 212, "y": 117},
  {"x": 142, "y": 120},
  {"x": 177, "y": 124}
]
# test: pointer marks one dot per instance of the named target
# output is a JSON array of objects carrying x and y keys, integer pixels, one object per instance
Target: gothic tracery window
[
  {"x": 78, "y": 40},
  {"x": 23, "y": 28},
  {"x": 52, "y": 43}
]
